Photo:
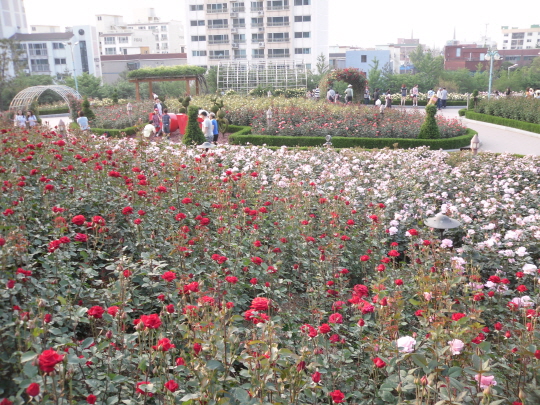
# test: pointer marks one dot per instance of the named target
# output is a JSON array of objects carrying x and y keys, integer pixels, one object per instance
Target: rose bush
[{"x": 291, "y": 277}]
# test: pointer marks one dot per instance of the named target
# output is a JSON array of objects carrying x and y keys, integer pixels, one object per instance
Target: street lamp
[
  {"x": 73, "y": 61},
  {"x": 442, "y": 223},
  {"x": 512, "y": 67},
  {"x": 269, "y": 117},
  {"x": 129, "y": 110},
  {"x": 491, "y": 55},
  {"x": 475, "y": 144}
]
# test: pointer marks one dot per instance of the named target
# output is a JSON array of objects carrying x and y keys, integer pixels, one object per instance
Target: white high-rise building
[
  {"x": 269, "y": 30},
  {"x": 12, "y": 18},
  {"x": 519, "y": 38}
]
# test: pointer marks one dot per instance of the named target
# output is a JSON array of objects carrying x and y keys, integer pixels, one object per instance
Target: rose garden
[{"x": 138, "y": 272}]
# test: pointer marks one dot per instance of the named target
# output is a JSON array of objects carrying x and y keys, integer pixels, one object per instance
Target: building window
[
  {"x": 163, "y": 28},
  {"x": 99, "y": 18},
  {"x": 224, "y": 23},
  {"x": 37, "y": 49},
  {"x": 302, "y": 2},
  {"x": 278, "y": 53},
  {"x": 58, "y": 45},
  {"x": 152, "y": 28},
  {"x": 59, "y": 61},
  {"x": 109, "y": 40},
  {"x": 240, "y": 54},
  {"x": 529, "y": 40},
  {"x": 256, "y": 6},
  {"x": 238, "y": 7},
  {"x": 216, "y": 8},
  {"x": 39, "y": 65},
  {"x": 198, "y": 38},
  {"x": 458, "y": 52},
  {"x": 198, "y": 53},
  {"x": 110, "y": 51},
  {"x": 277, "y": 5},
  {"x": 363, "y": 58},
  {"x": 277, "y": 21},
  {"x": 278, "y": 37},
  {"x": 239, "y": 22},
  {"x": 197, "y": 23},
  {"x": 529, "y": 34},
  {"x": 219, "y": 54},
  {"x": 505, "y": 35},
  {"x": 239, "y": 38},
  {"x": 302, "y": 18},
  {"x": 257, "y": 37},
  {"x": 196, "y": 7},
  {"x": 302, "y": 34},
  {"x": 518, "y": 35},
  {"x": 123, "y": 40},
  {"x": 164, "y": 37},
  {"x": 257, "y": 53},
  {"x": 218, "y": 39},
  {"x": 505, "y": 41},
  {"x": 257, "y": 22},
  {"x": 302, "y": 51}
]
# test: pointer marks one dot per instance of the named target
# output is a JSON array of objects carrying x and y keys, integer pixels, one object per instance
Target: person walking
[
  {"x": 83, "y": 122},
  {"x": 439, "y": 95},
  {"x": 444, "y": 97},
  {"x": 403, "y": 94},
  {"x": 414, "y": 94},
  {"x": 366, "y": 96},
  {"x": 159, "y": 106},
  {"x": 215, "y": 127},
  {"x": 349, "y": 94},
  {"x": 156, "y": 121},
  {"x": 388, "y": 99},
  {"x": 207, "y": 127},
  {"x": 19, "y": 120},
  {"x": 317, "y": 93},
  {"x": 166, "y": 121},
  {"x": 31, "y": 120},
  {"x": 376, "y": 96},
  {"x": 331, "y": 95}
]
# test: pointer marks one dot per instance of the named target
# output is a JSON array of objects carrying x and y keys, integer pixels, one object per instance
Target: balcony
[
  {"x": 38, "y": 52},
  {"x": 238, "y": 9},
  {"x": 257, "y": 25},
  {"x": 283, "y": 55},
  {"x": 218, "y": 26},
  {"x": 217, "y": 10},
  {"x": 277, "y": 8},
  {"x": 215, "y": 57},
  {"x": 239, "y": 57},
  {"x": 40, "y": 68},
  {"x": 278, "y": 24},
  {"x": 279, "y": 39},
  {"x": 217, "y": 41},
  {"x": 239, "y": 25},
  {"x": 257, "y": 56},
  {"x": 254, "y": 9}
]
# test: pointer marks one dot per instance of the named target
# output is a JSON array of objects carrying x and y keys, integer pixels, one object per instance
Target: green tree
[
  {"x": 429, "y": 129},
  {"x": 321, "y": 65},
  {"x": 89, "y": 85},
  {"x": 194, "y": 134},
  {"x": 429, "y": 67},
  {"x": 87, "y": 110},
  {"x": 375, "y": 80},
  {"x": 212, "y": 79},
  {"x": 10, "y": 66}
]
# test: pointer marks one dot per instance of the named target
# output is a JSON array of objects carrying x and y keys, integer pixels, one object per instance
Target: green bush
[
  {"x": 194, "y": 134},
  {"x": 88, "y": 113},
  {"x": 430, "y": 129},
  {"x": 51, "y": 111},
  {"x": 166, "y": 71},
  {"x": 525, "y": 126},
  {"x": 514, "y": 108},
  {"x": 114, "y": 133},
  {"x": 462, "y": 112},
  {"x": 243, "y": 137}
]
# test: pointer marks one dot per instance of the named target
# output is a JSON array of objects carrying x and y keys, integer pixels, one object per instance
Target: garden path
[{"x": 493, "y": 138}]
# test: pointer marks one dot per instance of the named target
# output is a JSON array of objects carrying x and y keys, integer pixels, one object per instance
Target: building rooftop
[{"x": 44, "y": 36}]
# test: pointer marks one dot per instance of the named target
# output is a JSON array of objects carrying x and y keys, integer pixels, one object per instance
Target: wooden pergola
[{"x": 149, "y": 80}]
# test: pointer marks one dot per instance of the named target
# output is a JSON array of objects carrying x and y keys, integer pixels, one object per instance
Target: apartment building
[
  {"x": 58, "y": 53},
  {"x": 520, "y": 38},
  {"x": 268, "y": 30},
  {"x": 147, "y": 35},
  {"x": 12, "y": 18}
]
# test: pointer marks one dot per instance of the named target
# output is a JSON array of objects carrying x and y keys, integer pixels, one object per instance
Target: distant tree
[
  {"x": 89, "y": 85},
  {"x": 194, "y": 134},
  {"x": 321, "y": 65},
  {"x": 10, "y": 66},
  {"x": 374, "y": 76},
  {"x": 212, "y": 79},
  {"x": 430, "y": 66},
  {"x": 87, "y": 110}
]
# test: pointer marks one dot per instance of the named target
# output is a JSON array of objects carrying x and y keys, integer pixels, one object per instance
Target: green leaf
[
  {"x": 189, "y": 397},
  {"x": 28, "y": 356},
  {"x": 215, "y": 365},
  {"x": 86, "y": 343},
  {"x": 454, "y": 372},
  {"x": 419, "y": 360},
  {"x": 477, "y": 362}
]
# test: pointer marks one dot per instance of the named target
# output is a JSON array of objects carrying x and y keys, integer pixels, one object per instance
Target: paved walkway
[{"x": 493, "y": 138}]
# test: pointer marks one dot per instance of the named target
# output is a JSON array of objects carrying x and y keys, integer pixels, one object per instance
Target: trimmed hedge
[
  {"x": 113, "y": 133},
  {"x": 242, "y": 138},
  {"x": 423, "y": 103},
  {"x": 166, "y": 71},
  {"x": 507, "y": 122},
  {"x": 462, "y": 112},
  {"x": 50, "y": 111}
]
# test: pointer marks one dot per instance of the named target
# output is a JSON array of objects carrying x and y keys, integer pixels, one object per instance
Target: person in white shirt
[
  {"x": 207, "y": 127},
  {"x": 31, "y": 119},
  {"x": 20, "y": 119},
  {"x": 149, "y": 129},
  {"x": 444, "y": 97},
  {"x": 439, "y": 101},
  {"x": 83, "y": 122}
]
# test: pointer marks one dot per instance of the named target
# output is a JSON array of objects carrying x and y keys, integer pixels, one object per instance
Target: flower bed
[
  {"x": 149, "y": 273},
  {"x": 116, "y": 116},
  {"x": 513, "y": 108}
]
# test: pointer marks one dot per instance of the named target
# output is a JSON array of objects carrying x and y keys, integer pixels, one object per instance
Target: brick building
[{"x": 467, "y": 56}]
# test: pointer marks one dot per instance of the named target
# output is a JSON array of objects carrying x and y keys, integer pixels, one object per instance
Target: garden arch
[
  {"x": 353, "y": 76},
  {"x": 26, "y": 97}
]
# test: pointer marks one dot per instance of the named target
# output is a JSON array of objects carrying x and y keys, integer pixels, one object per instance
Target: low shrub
[
  {"x": 525, "y": 126},
  {"x": 515, "y": 108},
  {"x": 51, "y": 111},
  {"x": 429, "y": 129},
  {"x": 113, "y": 133},
  {"x": 240, "y": 138}
]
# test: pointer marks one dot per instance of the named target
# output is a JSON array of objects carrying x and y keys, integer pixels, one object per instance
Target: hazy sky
[{"x": 352, "y": 22}]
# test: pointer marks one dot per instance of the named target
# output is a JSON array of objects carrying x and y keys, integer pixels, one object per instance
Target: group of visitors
[{"x": 27, "y": 120}]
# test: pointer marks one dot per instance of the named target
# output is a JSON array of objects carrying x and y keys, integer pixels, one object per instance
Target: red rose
[
  {"x": 337, "y": 396},
  {"x": 81, "y": 237},
  {"x": 170, "y": 308},
  {"x": 457, "y": 316},
  {"x": 364, "y": 258},
  {"x": 260, "y": 304},
  {"x": 164, "y": 345},
  {"x": 91, "y": 399},
  {"x": 96, "y": 312},
  {"x": 171, "y": 385},
  {"x": 2, "y": 241},
  {"x": 127, "y": 210},
  {"x": 168, "y": 276},
  {"x": 78, "y": 220},
  {"x": 231, "y": 279},
  {"x": 335, "y": 318},
  {"x": 33, "y": 390},
  {"x": 48, "y": 359},
  {"x": 413, "y": 232},
  {"x": 324, "y": 328},
  {"x": 398, "y": 281},
  {"x": 112, "y": 311},
  {"x": 10, "y": 284},
  {"x": 256, "y": 260},
  {"x": 142, "y": 390},
  {"x": 6, "y": 401},
  {"x": 47, "y": 318},
  {"x": 255, "y": 316},
  {"x": 316, "y": 377},
  {"x": 180, "y": 361},
  {"x": 197, "y": 347},
  {"x": 393, "y": 253},
  {"x": 151, "y": 321},
  {"x": 379, "y": 363}
]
